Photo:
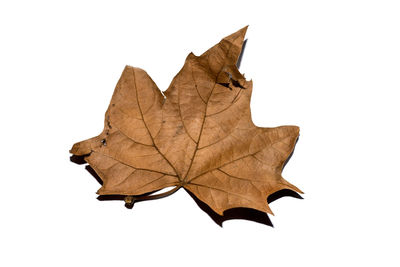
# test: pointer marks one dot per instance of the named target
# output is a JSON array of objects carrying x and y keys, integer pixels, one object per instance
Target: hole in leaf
[
  {"x": 225, "y": 85},
  {"x": 236, "y": 84}
]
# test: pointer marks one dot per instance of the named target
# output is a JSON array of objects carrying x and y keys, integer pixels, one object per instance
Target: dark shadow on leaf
[
  {"x": 94, "y": 174},
  {"x": 115, "y": 197},
  {"x": 236, "y": 213},
  {"x": 110, "y": 197},
  {"x": 241, "y": 54},
  {"x": 80, "y": 160},
  {"x": 244, "y": 213},
  {"x": 77, "y": 159},
  {"x": 283, "y": 193}
]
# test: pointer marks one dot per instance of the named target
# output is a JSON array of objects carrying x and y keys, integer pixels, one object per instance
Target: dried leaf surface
[{"x": 200, "y": 136}]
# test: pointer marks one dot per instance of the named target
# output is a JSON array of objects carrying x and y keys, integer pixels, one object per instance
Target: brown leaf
[{"x": 200, "y": 136}]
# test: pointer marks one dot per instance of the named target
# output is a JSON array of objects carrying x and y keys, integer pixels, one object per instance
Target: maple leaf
[{"x": 198, "y": 135}]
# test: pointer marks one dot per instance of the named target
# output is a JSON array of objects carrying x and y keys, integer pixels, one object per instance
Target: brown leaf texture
[{"x": 198, "y": 135}]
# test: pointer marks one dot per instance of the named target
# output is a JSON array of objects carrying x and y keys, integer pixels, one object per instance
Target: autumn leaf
[{"x": 198, "y": 135}]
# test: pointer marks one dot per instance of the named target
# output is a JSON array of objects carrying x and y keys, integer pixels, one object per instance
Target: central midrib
[{"x": 204, "y": 117}]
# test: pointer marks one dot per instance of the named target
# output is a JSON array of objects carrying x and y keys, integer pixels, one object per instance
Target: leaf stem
[{"x": 132, "y": 199}]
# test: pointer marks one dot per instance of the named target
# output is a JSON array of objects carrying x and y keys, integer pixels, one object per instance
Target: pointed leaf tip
[
  {"x": 226, "y": 52},
  {"x": 237, "y": 36}
]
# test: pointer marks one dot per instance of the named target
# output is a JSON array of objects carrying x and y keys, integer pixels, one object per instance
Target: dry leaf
[{"x": 200, "y": 136}]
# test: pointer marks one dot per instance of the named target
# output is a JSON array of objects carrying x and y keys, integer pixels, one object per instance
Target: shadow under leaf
[
  {"x": 244, "y": 213},
  {"x": 236, "y": 213},
  {"x": 78, "y": 159}
]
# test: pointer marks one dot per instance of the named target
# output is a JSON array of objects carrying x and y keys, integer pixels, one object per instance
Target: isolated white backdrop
[{"x": 331, "y": 67}]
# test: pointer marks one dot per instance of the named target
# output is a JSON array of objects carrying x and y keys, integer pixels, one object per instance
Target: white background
[{"x": 331, "y": 67}]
